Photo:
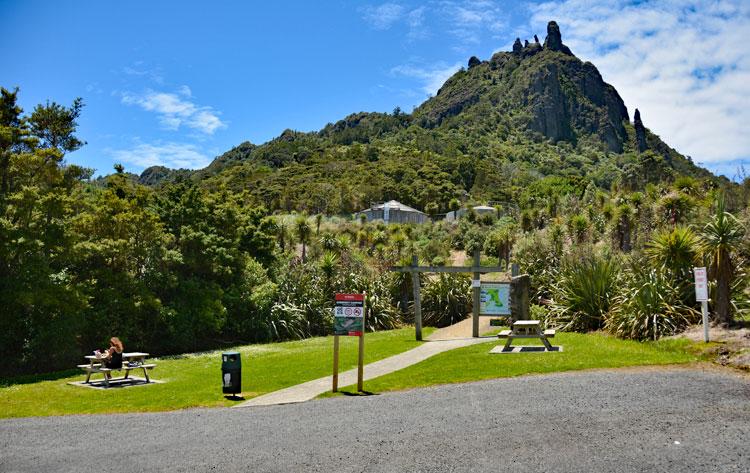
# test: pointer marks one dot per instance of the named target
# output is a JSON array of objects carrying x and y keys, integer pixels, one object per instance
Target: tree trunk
[{"x": 723, "y": 305}]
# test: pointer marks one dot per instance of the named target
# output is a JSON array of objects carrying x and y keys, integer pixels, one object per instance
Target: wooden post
[
  {"x": 476, "y": 295},
  {"x": 361, "y": 363},
  {"x": 417, "y": 299},
  {"x": 515, "y": 270},
  {"x": 335, "y": 363},
  {"x": 361, "y": 360},
  {"x": 519, "y": 297}
]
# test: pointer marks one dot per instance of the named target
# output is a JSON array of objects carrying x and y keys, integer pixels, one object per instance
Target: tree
[
  {"x": 721, "y": 238},
  {"x": 303, "y": 234}
]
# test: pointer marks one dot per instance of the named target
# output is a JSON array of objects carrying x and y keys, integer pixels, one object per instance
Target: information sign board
[
  {"x": 349, "y": 314},
  {"x": 494, "y": 298},
  {"x": 701, "y": 284}
]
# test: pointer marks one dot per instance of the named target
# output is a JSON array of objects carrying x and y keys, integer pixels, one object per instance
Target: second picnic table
[{"x": 526, "y": 329}]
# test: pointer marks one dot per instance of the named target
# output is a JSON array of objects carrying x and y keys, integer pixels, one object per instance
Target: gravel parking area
[{"x": 654, "y": 419}]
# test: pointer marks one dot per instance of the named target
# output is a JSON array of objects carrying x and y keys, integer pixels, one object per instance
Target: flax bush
[
  {"x": 583, "y": 292},
  {"x": 649, "y": 305}
]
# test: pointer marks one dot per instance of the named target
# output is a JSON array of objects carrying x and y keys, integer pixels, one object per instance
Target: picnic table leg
[
  {"x": 106, "y": 379},
  {"x": 508, "y": 341},
  {"x": 127, "y": 372},
  {"x": 88, "y": 377},
  {"x": 145, "y": 373}
]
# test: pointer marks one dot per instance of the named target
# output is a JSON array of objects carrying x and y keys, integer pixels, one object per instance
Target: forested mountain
[
  {"x": 176, "y": 260},
  {"x": 493, "y": 129}
]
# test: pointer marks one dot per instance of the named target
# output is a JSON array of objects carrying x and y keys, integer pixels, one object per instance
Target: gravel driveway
[{"x": 628, "y": 420}]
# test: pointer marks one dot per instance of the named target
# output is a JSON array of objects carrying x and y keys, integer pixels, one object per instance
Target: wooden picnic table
[
  {"x": 526, "y": 329},
  {"x": 130, "y": 361}
]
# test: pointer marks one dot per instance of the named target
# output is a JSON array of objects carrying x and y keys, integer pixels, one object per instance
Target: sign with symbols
[
  {"x": 349, "y": 314},
  {"x": 494, "y": 298},
  {"x": 701, "y": 284}
]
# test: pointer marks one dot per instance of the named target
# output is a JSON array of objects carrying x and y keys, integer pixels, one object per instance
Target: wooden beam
[
  {"x": 476, "y": 295},
  {"x": 447, "y": 269},
  {"x": 417, "y": 299}
]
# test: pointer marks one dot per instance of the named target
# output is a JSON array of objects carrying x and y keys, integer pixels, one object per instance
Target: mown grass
[
  {"x": 580, "y": 352},
  {"x": 195, "y": 380}
]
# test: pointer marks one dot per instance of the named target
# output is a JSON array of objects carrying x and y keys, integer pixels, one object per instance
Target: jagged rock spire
[
  {"x": 474, "y": 61},
  {"x": 640, "y": 132},
  {"x": 517, "y": 46},
  {"x": 553, "y": 40},
  {"x": 536, "y": 39}
]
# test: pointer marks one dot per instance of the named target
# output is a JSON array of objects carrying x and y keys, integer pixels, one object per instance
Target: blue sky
[{"x": 177, "y": 83}]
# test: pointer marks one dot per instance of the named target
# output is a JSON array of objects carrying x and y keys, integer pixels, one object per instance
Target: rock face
[
  {"x": 536, "y": 39},
  {"x": 474, "y": 61},
  {"x": 546, "y": 88},
  {"x": 517, "y": 46},
  {"x": 640, "y": 132},
  {"x": 553, "y": 41}
]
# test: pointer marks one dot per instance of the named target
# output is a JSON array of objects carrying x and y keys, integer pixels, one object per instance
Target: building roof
[{"x": 393, "y": 205}]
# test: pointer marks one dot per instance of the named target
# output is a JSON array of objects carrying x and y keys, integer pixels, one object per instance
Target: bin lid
[{"x": 230, "y": 353}]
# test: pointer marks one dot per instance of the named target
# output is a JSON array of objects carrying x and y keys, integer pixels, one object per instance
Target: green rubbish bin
[{"x": 231, "y": 371}]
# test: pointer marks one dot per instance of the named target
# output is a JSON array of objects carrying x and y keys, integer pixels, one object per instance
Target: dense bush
[
  {"x": 583, "y": 292},
  {"x": 649, "y": 305},
  {"x": 446, "y": 299}
]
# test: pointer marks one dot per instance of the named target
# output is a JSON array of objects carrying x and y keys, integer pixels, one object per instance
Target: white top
[{"x": 525, "y": 323}]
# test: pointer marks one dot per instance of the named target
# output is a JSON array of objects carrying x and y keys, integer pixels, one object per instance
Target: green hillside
[{"x": 491, "y": 131}]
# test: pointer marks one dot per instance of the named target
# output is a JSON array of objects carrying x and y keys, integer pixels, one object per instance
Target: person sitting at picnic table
[{"x": 112, "y": 356}]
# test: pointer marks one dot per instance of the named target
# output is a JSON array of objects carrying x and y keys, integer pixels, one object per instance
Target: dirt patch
[
  {"x": 727, "y": 346},
  {"x": 459, "y": 330}
]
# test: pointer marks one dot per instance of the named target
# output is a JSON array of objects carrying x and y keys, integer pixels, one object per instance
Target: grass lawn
[
  {"x": 195, "y": 380},
  {"x": 580, "y": 351}
]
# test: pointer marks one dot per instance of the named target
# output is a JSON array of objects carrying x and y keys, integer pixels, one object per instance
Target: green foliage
[
  {"x": 583, "y": 292},
  {"x": 721, "y": 238},
  {"x": 649, "y": 306},
  {"x": 446, "y": 299}
]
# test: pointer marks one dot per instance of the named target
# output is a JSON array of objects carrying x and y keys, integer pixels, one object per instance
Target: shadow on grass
[
  {"x": 35, "y": 378},
  {"x": 358, "y": 393}
]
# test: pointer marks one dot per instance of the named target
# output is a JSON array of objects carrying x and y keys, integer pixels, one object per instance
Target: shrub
[
  {"x": 649, "y": 306},
  {"x": 446, "y": 299},
  {"x": 583, "y": 292}
]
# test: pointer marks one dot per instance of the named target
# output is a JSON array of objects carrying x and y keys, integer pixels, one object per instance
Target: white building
[{"x": 394, "y": 211}]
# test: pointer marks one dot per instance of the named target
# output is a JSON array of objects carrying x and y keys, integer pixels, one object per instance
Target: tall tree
[{"x": 721, "y": 238}]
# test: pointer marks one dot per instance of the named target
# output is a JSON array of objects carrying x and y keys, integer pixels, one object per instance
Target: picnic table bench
[
  {"x": 527, "y": 329},
  {"x": 130, "y": 361}
]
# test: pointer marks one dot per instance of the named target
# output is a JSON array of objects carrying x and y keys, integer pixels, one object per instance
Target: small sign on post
[
  {"x": 349, "y": 320},
  {"x": 701, "y": 295}
]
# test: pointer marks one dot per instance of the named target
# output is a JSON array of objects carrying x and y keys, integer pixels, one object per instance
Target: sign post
[
  {"x": 349, "y": 320},
  {"x": 701, "y": 295}
]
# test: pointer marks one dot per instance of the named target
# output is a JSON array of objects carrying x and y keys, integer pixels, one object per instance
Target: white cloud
[
  {"x": 171, "y": 155},
  {"x": 469, "y": 20},
  {"x": 382, "y": 17},
  {"x": 432, "y": 77},
  {"x": 683, "y": 64},
  {"x": 175, "y": 111}
]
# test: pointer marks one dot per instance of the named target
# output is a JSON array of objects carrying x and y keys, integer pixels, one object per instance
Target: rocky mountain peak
[
  {"x": 640, "y": 132},
  {"x": 553, "y": 41}
]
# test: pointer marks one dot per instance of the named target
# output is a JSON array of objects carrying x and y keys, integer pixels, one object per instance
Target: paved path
[
  {"x": 605, "y": 421},
  {"x": 312, "y": 389}
]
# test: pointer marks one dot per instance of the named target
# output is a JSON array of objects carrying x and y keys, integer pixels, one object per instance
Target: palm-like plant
[
  {"x": 674, "y": 250},
  {"x": 721, "y": 238},
  {"x": 583, "y": 292},
  {"x": 303, "y": 234}
]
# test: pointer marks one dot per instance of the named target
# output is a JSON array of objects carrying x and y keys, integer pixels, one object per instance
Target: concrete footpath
[{"x": 441, "y": 340}]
